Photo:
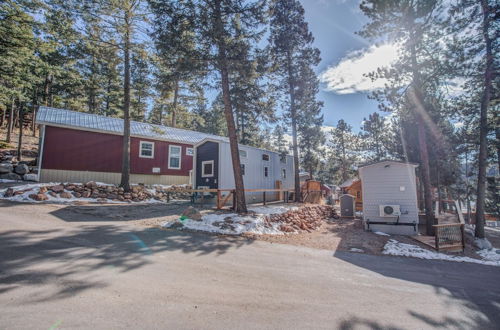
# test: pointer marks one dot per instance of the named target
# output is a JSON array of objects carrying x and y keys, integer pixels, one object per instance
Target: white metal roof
[{"x": 87, "y": 121}]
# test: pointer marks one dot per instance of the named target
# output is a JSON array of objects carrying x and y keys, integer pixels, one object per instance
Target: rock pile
[
  {"x": 104, "y": 193},
  {"x": 306, "y": 218},
  {"x": 13, "y": 170}
]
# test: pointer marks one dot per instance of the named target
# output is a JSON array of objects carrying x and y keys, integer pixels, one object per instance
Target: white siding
[
  {"x": 254, "y": 170},
  {"x": 381, "y": 184}
]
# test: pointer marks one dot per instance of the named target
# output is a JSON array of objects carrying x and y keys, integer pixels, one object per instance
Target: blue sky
[{"x": 333, "y": 24}]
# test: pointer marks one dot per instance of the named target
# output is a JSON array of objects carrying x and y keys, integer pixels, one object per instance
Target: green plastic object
[{"x": 183, "y": 217}]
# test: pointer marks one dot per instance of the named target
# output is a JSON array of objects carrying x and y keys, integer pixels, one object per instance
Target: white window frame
[
  {"x": 152, "y": 149},
  {"x": 170, "y": 154},
  {"x": 189, "y": 151},
  {"x": 203, "y": 174},
  {"x": 244, "y": 151},
  {"x": 268, "y": 157}
]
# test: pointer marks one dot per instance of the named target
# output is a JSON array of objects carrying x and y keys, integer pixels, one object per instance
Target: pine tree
[
  {"x": 343, "y": 150},
  {"x": 140, "y": 82},
  {"x": 17, "y": 60},
  {"x": 293, "y": 58},
  {"x": 415, "y": 26},
  {"x": 375, "y": 136},
  {"x": 179, "y": 63},
  {"x": 475, "y": 27}
]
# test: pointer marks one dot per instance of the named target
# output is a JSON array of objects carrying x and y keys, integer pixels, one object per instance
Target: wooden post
[
  {"x": 234, "y": 199},
  {"x": 463, "y": 235},
  {"x": 219, "y": 199},
  {"x": 168, "y": 197},
  {"x": 436, "y": 234},
  {"x": 264, "y": 197}
]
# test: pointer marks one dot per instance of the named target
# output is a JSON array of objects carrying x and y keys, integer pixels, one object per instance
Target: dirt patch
[{"x": 341, "y": 234}]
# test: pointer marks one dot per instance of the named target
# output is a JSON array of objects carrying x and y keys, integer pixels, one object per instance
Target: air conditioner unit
[{"x": 390, "y": 210}]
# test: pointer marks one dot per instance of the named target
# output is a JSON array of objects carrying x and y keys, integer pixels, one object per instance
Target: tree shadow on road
[
  {"x": 474, "y": 288},
  {"x": 69, "y": 261}
]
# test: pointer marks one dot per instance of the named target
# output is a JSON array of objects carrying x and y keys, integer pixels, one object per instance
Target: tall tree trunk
[
  {"x": 344, "y": 160},
  {"x": 293, "y": 115},
  {"x": 4, "y": 112},
  {"x": 241, "y": 205},
  {"x": 483, "y": 123},
  {"x": 11, "y": 120},
  {"x": 125, "y": 175},
  {"x": 426, "y": 176},
  {"x": 418, "y": 102},
  {"x": 46, "y": 89},
  {"x": 20, "y": 140},
  {"x": 34, "y": 111},
  {"x": 174, "y": 104}
]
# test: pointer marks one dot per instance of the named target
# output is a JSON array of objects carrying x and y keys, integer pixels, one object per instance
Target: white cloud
[{"x": 349, "y": 75}]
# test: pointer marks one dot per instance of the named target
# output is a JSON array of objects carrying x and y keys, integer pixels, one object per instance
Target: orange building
[{"x": 353, "y": 187}]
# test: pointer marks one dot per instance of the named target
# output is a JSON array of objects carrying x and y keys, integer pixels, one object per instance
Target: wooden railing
[
  {"x": 450, "y": 236},
  {"x": 222, "y": 199}
]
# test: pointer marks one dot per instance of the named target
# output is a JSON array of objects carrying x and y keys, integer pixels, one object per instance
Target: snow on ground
[
  {"x": 356, "y": 250},
  {"x": 490, "y": 255},
  {"x": 29, "y": 189},
  {"x": 8, "y": 181},
  {"x": 396, "y": 248},
  {"x": 381, "y": 233},
  {"x": 234, "y": 224}
]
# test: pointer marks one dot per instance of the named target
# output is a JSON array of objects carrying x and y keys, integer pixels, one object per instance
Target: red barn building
[{"x": 81, "y": 147}]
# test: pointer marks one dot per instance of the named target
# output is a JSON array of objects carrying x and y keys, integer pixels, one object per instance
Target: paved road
[{"x": 59, "y": 273}]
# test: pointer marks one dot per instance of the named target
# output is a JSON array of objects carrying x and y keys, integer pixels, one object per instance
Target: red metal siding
[{"x": 77, "y": 150}]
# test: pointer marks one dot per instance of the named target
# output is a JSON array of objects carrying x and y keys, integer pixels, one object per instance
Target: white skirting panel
[{"x": 106, "y": 177}]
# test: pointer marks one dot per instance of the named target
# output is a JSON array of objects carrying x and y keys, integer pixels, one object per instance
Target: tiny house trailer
[
  {"x": 261, "y": 169},
  {"x": 390, "y": 197}
]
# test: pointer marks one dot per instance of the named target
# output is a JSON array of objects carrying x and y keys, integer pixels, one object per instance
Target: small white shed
[{"x": 390, "y": 197}]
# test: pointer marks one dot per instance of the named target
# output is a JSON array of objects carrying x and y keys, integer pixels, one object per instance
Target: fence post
[
  {"x": 168, "y": 197},
  {"x": 264, "y": 197},
  {"x": 219, "y": 197},
  {"x": 234, "y": 199}
]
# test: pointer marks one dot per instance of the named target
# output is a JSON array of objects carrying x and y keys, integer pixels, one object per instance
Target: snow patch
[
  {"x": 356, "y": 250},
  {"x": 235, "y": 224},
  {"x": 381, "y": 233},
  {"x": 396, "y": 248},
  {"x": 9, "y": 181}
]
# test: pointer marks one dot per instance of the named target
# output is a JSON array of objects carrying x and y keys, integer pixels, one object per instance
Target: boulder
[
  {"x": 6, "y": 168},
  {"x": 10, "y": 176},
  {"x": 86, "y": 194},
  {"x": 53, "y": 194},
  {"x": 21, "y": 169},
  {"x": 38, "y": 197},
  {"x": 9, "y": 193},
  {"x": 30, "y": 177},
  {"x": 42, "y": 190},
  {"x": 482, "y": 243},
  {"x": 112, "y": 196},
  {"x": 91, "y": 184},
  {"x": 77, "y": 194},
  {"x": 192, "y": 213},
  {"x": 57, "y": 188},
  {"x": 65, "y": 194}
]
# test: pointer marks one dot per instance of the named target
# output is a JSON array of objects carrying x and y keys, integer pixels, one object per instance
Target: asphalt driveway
[{"x": 56, "y": 272}]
